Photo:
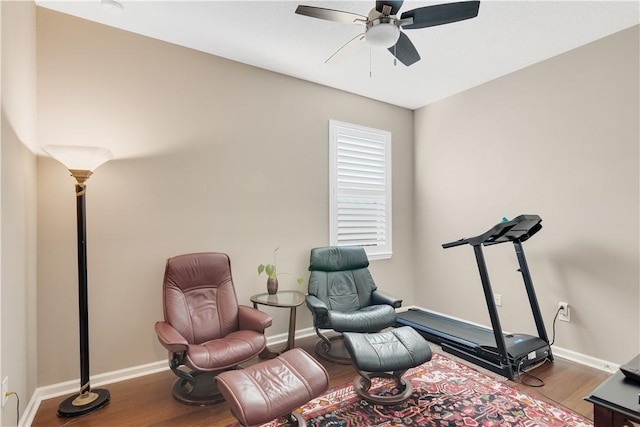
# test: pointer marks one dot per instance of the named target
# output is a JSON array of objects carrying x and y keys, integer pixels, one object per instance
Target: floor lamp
[{"x": 81, "y": 162}]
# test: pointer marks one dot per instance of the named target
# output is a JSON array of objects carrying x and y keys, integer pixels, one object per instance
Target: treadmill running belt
[{"x": 465, "y": 334}]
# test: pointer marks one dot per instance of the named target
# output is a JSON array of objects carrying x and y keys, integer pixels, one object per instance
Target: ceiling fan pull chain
[
  {"x": 395, "y": 55},
  {"x": 370, "y": 74}
]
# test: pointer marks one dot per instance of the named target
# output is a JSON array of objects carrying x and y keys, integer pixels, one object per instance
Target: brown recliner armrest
[
  {"x": 170, "y": 338},
  {"x": 253, "y": 319}
]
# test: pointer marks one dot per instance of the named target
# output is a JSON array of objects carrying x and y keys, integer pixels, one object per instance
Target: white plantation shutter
[{"x": 360, "y": 199}]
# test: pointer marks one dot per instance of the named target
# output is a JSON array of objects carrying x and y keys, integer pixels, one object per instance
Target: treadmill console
[{"x": 521, "y": 228}]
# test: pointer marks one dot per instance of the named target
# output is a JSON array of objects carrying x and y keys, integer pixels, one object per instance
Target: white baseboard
[
  {"x": 583, "y": 359},
  {"x": 70, "y": 387},
  {"x": 73, "y": 386}
]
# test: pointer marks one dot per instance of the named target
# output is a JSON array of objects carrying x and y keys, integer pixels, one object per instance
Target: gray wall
[
  {"x": 558, "y": 139},
  {"x": 235, "y": 161},
  {"x": 18, "y": 204}
]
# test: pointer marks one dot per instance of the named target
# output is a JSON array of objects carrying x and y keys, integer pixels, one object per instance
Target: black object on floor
[{"x": 631, "y": 370}]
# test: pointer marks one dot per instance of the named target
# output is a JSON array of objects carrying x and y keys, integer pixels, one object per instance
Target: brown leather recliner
[{"x": 204, "y": 328}]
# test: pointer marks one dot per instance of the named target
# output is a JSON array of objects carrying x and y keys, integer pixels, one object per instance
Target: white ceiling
[{"x": 506, "y": 36}]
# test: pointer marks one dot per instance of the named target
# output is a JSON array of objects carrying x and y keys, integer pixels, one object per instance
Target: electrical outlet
[
  {"x": 498, "y": 299},
  {"x": 5, "y": 390},
  {"x": 564, "y": 314}
]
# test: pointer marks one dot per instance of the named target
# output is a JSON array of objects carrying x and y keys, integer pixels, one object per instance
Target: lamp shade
[{"x": 78, "y": 157}]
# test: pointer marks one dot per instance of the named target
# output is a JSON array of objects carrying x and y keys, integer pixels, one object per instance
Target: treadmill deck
[{"x": 475, "y": 341}]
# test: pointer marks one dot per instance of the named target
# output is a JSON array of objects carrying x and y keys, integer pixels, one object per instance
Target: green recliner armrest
[
  {"x": 316, "y": 305},
  {"x": 319, "y": 310},
  {"x": 379, "y": 297}
]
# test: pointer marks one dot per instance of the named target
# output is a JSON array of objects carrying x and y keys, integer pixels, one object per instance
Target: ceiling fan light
[{"x": 383, "y": 35}]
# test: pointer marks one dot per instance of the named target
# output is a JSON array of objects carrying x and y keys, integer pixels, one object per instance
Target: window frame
[{"x": 339, "y": 132}]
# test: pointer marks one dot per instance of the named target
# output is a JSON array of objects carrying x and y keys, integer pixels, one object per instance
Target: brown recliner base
[{"x": 201, "y": 391}]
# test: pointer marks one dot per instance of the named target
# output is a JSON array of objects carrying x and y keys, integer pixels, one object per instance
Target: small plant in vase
[{"x": 272, "y": 275}]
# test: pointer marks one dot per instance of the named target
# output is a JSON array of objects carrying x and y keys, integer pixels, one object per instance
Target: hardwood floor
[{"x": 147, "y": 401}]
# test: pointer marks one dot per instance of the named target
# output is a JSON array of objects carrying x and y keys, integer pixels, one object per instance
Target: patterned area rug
[{"x": 446, "y": 394}]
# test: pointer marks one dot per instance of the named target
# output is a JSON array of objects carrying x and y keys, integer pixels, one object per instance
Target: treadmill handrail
[
  {"x": 520, "y": 229},
  {"x": 460, "y": 242}
]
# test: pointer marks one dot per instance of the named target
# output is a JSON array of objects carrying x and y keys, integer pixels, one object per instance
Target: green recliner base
[{"x": 334, "y": 350}]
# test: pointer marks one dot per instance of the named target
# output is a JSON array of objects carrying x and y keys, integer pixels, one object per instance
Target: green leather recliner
[{"x": 343, "y": 297}]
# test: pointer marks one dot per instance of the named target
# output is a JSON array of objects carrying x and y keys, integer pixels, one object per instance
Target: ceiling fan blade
[
  {"x": 395, "y": 5},
  {"x": 348, "y": 48},
  {"x": 405, "y": 51},
  {"x": 330, "y": 14},
  {"x": 439, "y": 14}
]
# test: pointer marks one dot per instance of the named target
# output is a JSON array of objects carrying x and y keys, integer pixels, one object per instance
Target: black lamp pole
[{"x": 86, "y": 400}]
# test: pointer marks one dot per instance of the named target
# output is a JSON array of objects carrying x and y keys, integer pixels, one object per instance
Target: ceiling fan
[{"x": 382, "y": 25}]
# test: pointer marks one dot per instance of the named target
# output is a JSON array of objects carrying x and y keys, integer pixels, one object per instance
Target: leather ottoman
[
  {"x": 386, "y": 355},
  {"x": 274, "y": 388}
]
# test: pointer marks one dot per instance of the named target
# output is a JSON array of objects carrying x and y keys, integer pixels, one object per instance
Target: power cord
[
  {"x": 553, "y": 337},
  {"x": 520, "y": 373},
  {"x": 13, "y": 393}
]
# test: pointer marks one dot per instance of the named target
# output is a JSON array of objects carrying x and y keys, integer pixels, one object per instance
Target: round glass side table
[{"x": 283, "y": 299}]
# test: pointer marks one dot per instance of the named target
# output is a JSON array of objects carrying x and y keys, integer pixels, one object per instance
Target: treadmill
[{"x": 505, "y": 354}]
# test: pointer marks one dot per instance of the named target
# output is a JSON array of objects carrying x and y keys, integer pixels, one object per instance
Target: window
[{"x": 360, "y": 188}]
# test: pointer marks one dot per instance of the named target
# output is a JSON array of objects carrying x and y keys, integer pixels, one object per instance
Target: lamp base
[{"x": 77, "y": 405}]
